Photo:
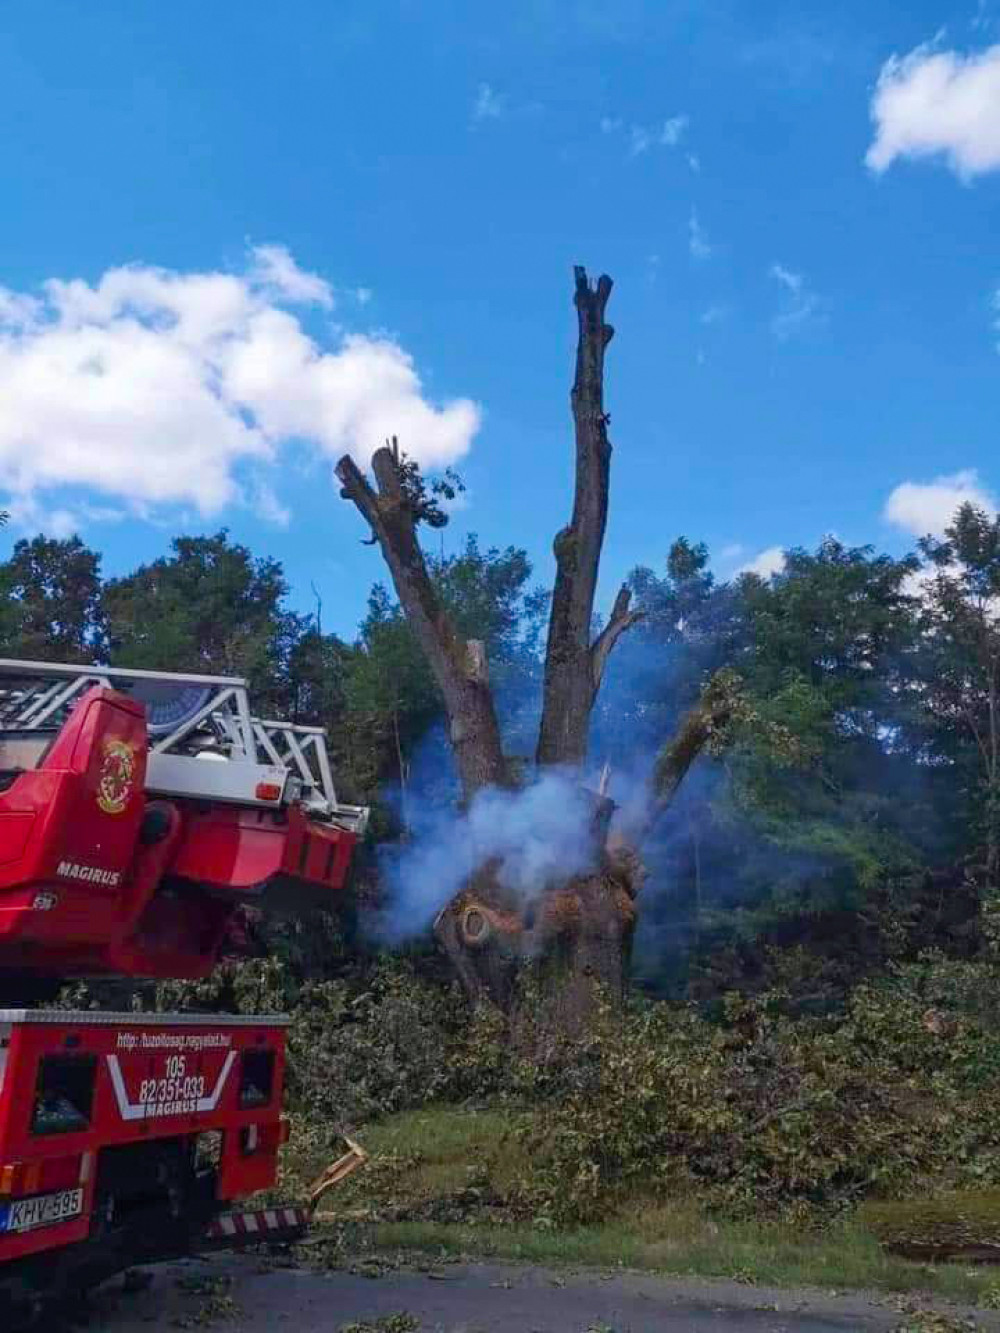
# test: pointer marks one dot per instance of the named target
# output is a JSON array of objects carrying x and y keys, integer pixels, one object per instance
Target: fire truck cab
[{"x": 139, "y": 813}]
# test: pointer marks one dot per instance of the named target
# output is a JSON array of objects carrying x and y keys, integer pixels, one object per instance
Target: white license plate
[{"x": 47, "y": 1210}]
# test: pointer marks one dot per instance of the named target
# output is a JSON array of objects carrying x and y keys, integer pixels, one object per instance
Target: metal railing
[{"x": 191, "y": 719}]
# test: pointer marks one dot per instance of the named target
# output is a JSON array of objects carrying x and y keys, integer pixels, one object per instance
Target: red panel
[
  {"x": 232, "y": 847},
  {"x": 82, "y": 895},
  {"x": 240, "y": 851},
  {"x": 153, "y": 1081},
  {"x": 15, "y": 830},
  {"x": 68, "y": 829}
]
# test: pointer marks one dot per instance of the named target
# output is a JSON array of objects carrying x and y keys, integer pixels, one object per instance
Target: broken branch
[{"x": 622, "y": 619}]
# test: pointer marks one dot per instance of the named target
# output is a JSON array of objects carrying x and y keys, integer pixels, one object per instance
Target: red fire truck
[{"x": 140, "y": 812}]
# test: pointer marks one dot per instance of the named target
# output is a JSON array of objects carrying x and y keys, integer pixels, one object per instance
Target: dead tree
[
  {"x": 459, "y": 666},
  {"x": 573, "y": 665},
  {"x": 576, "y": 932}
]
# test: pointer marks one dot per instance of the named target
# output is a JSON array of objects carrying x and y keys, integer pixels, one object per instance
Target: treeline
[{"x": 851, "y": 810}]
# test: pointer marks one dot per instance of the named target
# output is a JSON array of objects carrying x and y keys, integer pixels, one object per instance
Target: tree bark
[
  {"x": 574, "y": 666},
  {"x": 702, "y": 724},
  {"x": 459, "y": 666},
  {"x": 574, "y": 935},
  {"x": 573, "y": 939}
]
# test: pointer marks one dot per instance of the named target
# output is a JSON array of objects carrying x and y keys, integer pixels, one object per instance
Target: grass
[
  {"x": 447, "y": 1145},
  {"x": 677, "y": 1241},
  {"x": 436, "y": 1176},
  {"x": 417, "y": 1158}
]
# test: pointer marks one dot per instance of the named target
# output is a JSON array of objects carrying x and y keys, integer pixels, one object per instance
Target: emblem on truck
[{"x": 117, "y": 777}]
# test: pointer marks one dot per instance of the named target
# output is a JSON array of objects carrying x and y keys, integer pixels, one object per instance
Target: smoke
[
  {"x": 538, "y": 835},
  {"x": 748, "y": 845}
]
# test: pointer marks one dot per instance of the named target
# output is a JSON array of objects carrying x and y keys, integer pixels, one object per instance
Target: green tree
[
  {"x": 52, "y": 601},
  {"x": 818, "y": 793},
  {"x": 831, "y": 636},
  {"x": 691, "y": 626},
  {"x": 959, "y": 681},
  {"x": 209, "y": 607}
]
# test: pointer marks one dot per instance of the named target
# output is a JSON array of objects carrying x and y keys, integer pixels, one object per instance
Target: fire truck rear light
[
  {"x": 18, "y": 1179},
  {"x": 268, "y": 791}
]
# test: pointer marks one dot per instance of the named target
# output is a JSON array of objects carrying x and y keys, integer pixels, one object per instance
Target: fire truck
[{"x": 141, "y": 813}]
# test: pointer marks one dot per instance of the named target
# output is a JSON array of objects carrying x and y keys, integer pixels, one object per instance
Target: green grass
[
  {"x": 677, "y": 1241},
  {"x": 450, "y": 1148},
  {"x": 424, "y": 1161},
  {"x": 416, "y": 1157}
]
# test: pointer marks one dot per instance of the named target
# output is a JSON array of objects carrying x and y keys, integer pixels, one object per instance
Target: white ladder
[{"x": 191, "y": 720}]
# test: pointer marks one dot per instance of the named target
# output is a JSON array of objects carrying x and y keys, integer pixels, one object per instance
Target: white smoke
[{"x": 538, "y": 835}]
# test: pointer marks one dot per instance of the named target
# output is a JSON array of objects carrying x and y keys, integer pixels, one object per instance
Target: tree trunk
[
  {"x": 573, "y": 666},
  {"x": 572, "y": 937},
  {"x": 564, "y": 951},
  {"x": 576, "y": 935},
  {"x": 459, "y": 666}
]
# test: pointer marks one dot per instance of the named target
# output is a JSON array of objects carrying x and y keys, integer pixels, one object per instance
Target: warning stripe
[{"x": 259, "y": 1224}]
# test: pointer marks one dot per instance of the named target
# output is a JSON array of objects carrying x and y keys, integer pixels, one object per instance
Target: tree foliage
[
  {"x": 52, "y": 601},
  {"x": 211, "y": 607},
  {"x": 958, "y": 678},
  {"x": 853, "y": 784}
]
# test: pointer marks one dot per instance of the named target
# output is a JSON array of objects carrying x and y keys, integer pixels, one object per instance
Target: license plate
[{"x": 46, "y": 1210}]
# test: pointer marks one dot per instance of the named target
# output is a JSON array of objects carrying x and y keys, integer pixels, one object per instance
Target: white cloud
[
  {"x": 938, "y": 103},
  {"x": 276, "y": 273},
  {"x": 59, "y": 521},
  {"x": 698, "y": 243},
  {"x": 922, "y": 508},
  {"x": 713, "y": 314},
  {"x": 792, "y": 282},
  {"x": 16, "y": 309},
  {"x": 155, "y": 388},
  {"x": 765, "y": 565},
  {"x": 489, "y": 104},
  {"x": 768, "y": 563},
  {"x": 798, "y": 303},
  {"x": 641, "y": 138},
  {"x": 673, "y": 131},
  {"x": 266, "y": 504}
]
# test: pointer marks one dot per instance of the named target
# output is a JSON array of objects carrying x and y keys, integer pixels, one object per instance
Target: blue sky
[{"x": 384, "y": 202}]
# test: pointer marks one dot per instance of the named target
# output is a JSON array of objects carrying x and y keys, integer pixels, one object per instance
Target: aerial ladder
[{"x": 141, "y": 813}]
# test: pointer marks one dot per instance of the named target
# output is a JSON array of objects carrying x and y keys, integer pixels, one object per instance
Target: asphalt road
[{"x": 473, "y": 1299}]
